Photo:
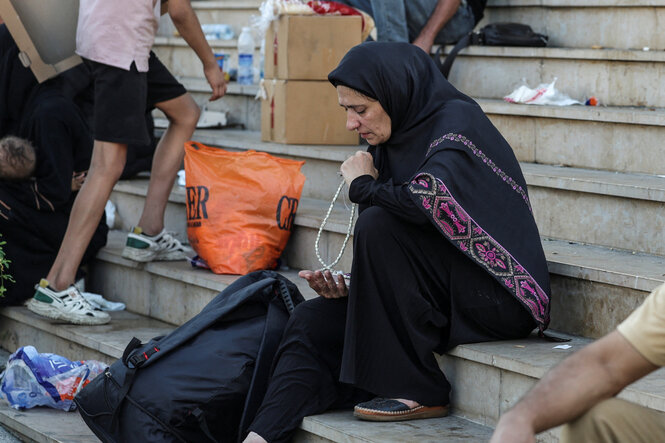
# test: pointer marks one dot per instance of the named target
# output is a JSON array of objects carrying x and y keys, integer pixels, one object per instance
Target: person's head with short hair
[{"x": 17, "y": 158}]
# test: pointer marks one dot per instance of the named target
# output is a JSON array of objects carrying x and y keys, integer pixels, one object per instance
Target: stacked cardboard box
[{"x": 301, "y": 105}]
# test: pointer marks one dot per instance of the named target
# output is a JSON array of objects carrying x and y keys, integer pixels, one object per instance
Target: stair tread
[
  {"x": 639, "y": 271},
  {"x": 619, "y": 184},
  {"x": 231, "y": 44},
  {"x": 574, "y": 3},
  {"x": 603, "y": 114},
  {"x": 226, "y": 4},
  {"x": 182, "y": 271},
  {"x": 595, "y": 263},
  {"x": 54, "y": 426},
  {"x": 200, "y": 84},
  {"x": 46, "y": 425},
  {"x": 531, "y": 357},
  {"x": 605, "y": 54},
  {"x": 109, "y": 339},
  {"x": 342, "y": 426},
  {"x": 637, "y": 115}
]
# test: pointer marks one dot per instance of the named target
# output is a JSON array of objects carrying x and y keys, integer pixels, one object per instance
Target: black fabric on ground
[{"x": 34, "y": 213}]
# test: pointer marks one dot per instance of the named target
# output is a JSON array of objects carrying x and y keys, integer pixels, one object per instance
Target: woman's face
[{"x": 365, "y": 116}]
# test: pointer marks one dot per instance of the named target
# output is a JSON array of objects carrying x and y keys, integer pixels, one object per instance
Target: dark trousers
[
  {"x": 412, "y": 293},
  {"x": 33, "y": 239}
]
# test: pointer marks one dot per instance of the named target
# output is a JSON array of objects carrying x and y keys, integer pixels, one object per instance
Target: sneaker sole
[
  {"x": 145, "y": 256},
  {"x": 139, "y": 255},
  {"x": 45, "y": 310}
]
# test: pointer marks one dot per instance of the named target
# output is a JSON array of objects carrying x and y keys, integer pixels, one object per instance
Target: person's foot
[
  {"x": 253, "y": 437},
  {"x": 66, "y": 305},
  {"x": 144, "y": 248},
  {"x": 390, "y": 409}
]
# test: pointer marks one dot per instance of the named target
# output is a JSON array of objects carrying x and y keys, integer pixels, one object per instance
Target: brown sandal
[{"x": 387, "y": 409}]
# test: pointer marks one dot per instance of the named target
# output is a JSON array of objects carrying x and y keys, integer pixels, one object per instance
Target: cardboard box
[
  {"x": 304, "y": 112},
  {"x": 305, "y": 47},
  {"x": 45, "y": 33}
]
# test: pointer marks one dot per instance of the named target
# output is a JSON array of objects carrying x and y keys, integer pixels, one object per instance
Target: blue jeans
[{"x": 402, "y": 20}]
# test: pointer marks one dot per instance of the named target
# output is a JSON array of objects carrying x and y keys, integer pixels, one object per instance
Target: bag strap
[
  {"x": 286, "y": 296},
  {"x": 472, "y": 38},
  {"x": 132, "y": 361}
]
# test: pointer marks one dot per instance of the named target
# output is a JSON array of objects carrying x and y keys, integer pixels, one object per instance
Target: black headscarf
[{"x": 462, "y": 172}]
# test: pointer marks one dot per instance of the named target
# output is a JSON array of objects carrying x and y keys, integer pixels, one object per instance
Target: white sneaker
[
  {"x": 145, "y": 248},
  {"x": 68, "y": 305}
]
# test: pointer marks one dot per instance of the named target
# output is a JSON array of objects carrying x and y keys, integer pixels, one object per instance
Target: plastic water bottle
[
  {"x": 262, "y": 57},
  {"x": 246, "y": 57}
]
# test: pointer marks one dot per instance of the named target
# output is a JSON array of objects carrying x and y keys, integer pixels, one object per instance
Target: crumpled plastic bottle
[{"x": 33, "y": 379}]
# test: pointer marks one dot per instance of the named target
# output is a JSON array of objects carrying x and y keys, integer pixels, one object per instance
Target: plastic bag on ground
[
  {"x": 33, "y": 379},
  {"x": 544, "y": 94}
]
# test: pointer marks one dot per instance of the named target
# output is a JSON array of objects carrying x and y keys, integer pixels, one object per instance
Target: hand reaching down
[{"x": 325, "y": 283}]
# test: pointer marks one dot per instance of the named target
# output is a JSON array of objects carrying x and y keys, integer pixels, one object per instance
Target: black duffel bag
[
  {"x": 494, "y": 34},
  {"x": 204, "y": 381}
]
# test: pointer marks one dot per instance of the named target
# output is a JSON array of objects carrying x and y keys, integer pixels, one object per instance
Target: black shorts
[{"x": 122, "y": 98}]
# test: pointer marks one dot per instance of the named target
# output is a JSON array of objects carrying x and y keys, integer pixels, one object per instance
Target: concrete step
[
  {"x": 624, "y": 139},
  {"x": 182, "y": 60},
  {"x": 238, "y": 103},
  {"x": 51, "y": 426},
  {"x": 172, "y": 292},
  {"x": 236, "y": 13},
  {"x": 577, "y": 136},
  {"x": 622, "y": 24},
  {"x": 615, "y": 77},
  {"x": 593, "y": 287},
  {"x": 45, "y": 425},
  {"x": 487, "y": 378},
  {"x": 598, "y": 207},
  {"x": 581, "y": 205}
]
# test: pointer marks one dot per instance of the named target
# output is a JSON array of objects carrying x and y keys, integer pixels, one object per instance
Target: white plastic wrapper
[
  {"x": 544, "y": 94},
  {"x": 271, "y": 10}
]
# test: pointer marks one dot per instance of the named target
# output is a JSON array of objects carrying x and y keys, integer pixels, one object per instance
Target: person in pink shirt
[{"x": 114, "y": 40}]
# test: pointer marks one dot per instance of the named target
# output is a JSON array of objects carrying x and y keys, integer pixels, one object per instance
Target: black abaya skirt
[{"x": 412, "y": 293}]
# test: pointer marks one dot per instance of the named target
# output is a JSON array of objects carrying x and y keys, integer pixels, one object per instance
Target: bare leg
[
  {"x": 106, "y": 165},
  {"x": 183, "y": 113}
]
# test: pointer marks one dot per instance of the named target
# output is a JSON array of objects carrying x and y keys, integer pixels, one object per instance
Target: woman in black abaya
[{"x": 446, "y": 251}]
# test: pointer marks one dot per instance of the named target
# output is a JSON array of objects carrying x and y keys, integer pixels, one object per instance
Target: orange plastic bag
[{"x": 240, "y": 206}]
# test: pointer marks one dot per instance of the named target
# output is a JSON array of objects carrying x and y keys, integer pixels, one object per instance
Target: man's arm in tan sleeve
[
  {"x": 187, "y": 23},
  {"x": 599, "y": 371}
]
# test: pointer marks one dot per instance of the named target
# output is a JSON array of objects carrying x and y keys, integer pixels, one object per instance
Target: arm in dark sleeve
[
  {"x": 53, "y": 140},
  {"x": 396, "y": 199}
]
